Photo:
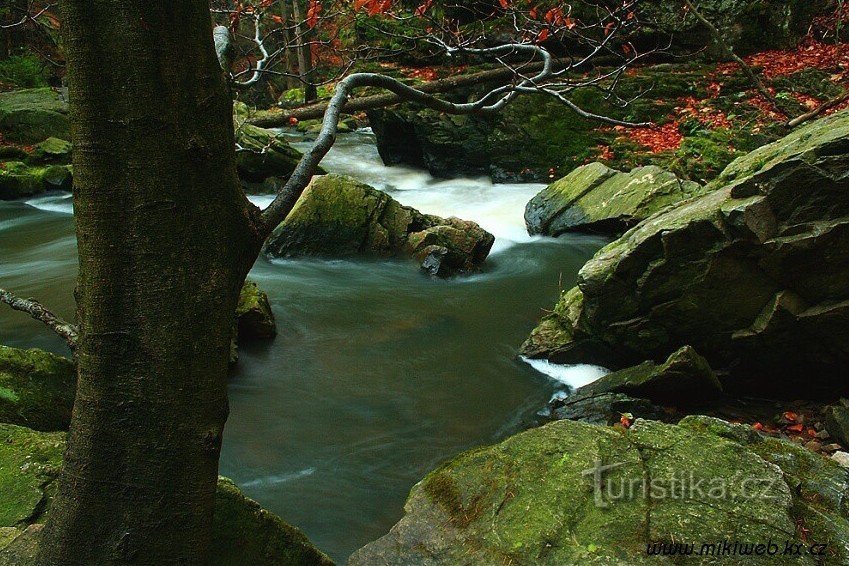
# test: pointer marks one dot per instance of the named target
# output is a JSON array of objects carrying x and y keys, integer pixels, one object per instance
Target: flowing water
[{"x": 379, "y": 373}]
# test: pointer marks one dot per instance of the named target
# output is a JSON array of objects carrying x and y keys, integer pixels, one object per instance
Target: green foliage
[{"x": 24, "y": 71}]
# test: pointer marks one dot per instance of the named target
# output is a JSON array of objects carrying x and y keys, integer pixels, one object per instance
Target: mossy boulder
[
  {"x": 754, "y": 275},
  {"x": 29, "y": 462},
  {"x": 244, "y": 532},
  {"x": 19, "y": 180},
  {"x": 33, "y": 115},
  {"x": 595, "y": 198},
  {"x": 36, "y": 389},
  {"x": 263, "y": 153},
  {"x": 253, "y": 313},
  {"x": 338, "y": 216},
  {"x": 574, "y": 493},
  {"x": 51, "y": 150}
]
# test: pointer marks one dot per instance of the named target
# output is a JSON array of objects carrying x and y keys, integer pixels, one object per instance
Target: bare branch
[
  {"x": 489, "y": 104},
  {"x": 36, "y": 310}
]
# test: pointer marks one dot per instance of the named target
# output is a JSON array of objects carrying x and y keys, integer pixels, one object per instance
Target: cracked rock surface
[{"x": 531, "y": 499}]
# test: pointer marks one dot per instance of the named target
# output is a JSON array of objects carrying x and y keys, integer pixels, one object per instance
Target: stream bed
[{"x": 378, "y": 374}]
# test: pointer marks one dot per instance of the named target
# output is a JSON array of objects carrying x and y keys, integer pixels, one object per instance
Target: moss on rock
[
  {"x": 19, "y": 180},
  {"x": 753, "y": 274},
  {"x": 253, "y": 313},
  {"x": 263, "y": 153},
  {"x": 599, "y": 199},
  {"x": 36, "y": 389},
  {"x": 33, "y": 115},
  {"x": 536, "y": 499},
  {"x": 244, "y": 532},
  {"x": 338, "y": 216}
]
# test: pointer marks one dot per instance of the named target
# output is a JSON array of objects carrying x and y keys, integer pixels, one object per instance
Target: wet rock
[
  {"x": 253, "y": 313},
  {"x": 51, "y": 150},
  {"x": 36, "y": 389},
  {"x": 595, "y": 198},
  {"x": 263, "y": 153},
  {"x": 19, "y": 180},
  {"x": 754, "y": 275},
  {"x": 341, "y": 217},
  {"x": 603, "y": 408},
  {"x": 536, "y": 498},
  {"x": 841, "y": 458},
  {"x": 243, "y": 532},
  {"x": 33, "y": 115},
  {"x": 684, "y": 379}
]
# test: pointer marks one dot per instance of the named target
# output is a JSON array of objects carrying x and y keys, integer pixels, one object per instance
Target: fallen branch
[
  {"x": 36, "y": 310},
  {"x": 315, "y": 111},
  {"x": 825, "y": 106}
]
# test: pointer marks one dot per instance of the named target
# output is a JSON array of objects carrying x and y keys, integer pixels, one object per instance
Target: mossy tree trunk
[{"x": 165, "y": 238}]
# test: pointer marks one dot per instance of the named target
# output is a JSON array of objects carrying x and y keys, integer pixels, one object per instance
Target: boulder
[
  {"x": 754, "y": 275},
  {"x": 595, "y": 198},
  {"x": 685, "y": 379},
  {"x": 244, "y": 532},
  {"x": 253, "y": 313},
  {"x": 36, "y": 389},
  {"x": 575, "y": 493},
  {"x": 338, "y": 216},
  {"x": 51, "y": 150},
  {"x": 263, "y": 153},
  {"x": 19, "y": 180},
  {"x": 602, "y": 408},
  {"x": 33, "y": 115}
]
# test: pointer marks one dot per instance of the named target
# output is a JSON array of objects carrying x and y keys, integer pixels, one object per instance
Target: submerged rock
[
  {"x": 244, "y": 532},
  {"x": 36, "y": 389},
  {"x": 595, "y": 198},
  {"x": 33, "y": 115},
  {"x": 339, "y": 217},
  {"x": 754, "y": 275},
  {"x": 573, "y": 493},
  {"x": 19, "y": 180}
]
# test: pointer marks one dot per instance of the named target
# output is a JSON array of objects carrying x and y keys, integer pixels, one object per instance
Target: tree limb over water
[{"x": 36, "y": 310}]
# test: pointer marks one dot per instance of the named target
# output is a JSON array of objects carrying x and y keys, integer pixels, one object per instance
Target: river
[{"x": 378, "y": 374}]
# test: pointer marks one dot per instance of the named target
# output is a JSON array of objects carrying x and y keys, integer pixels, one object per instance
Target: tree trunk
[
  {"x": 291, "y": 58},
  {"x": 304, "y": 53},
  {"x": 165, "y": 239}
]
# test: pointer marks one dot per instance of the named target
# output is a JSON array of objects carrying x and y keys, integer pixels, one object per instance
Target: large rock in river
[
  {"x": 19, "y": 180},
  {"x": 754, "y": 275},
  {"x": 243, "y": 532},
  {"x": 595, "y": 198},
  {"x": 263, "y": 153},
  {"x": 572, "y": 493},
  {"x": 339, "y": 216}
]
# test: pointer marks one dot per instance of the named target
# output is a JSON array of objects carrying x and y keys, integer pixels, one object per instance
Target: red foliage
[
  {"x": 656, "y": 139},
  {"x": 810, "y": 54}
]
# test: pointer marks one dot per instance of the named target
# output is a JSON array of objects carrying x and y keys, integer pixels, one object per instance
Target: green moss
[
  {"x": 253, "y": 313},
  {"x": 245, "y": 533},
  {"x": 33, "y": 115},
  {"x": 28, "y": 462},
  {"x": 23, "y": 71},
  {"x": 19, "y": 180},
  {"x": 36, "y": 389},
  {"x": 51, "y": 150}
]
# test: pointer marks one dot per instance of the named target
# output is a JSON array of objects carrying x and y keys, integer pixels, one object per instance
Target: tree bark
[
  {"x": 291, "y": 58},
  {"x": 165, "y": 240},
  {"x": 304, "y": 53}
]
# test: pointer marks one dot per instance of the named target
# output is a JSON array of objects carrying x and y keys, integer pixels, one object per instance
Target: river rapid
[{"x": 378, "y": 374}]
